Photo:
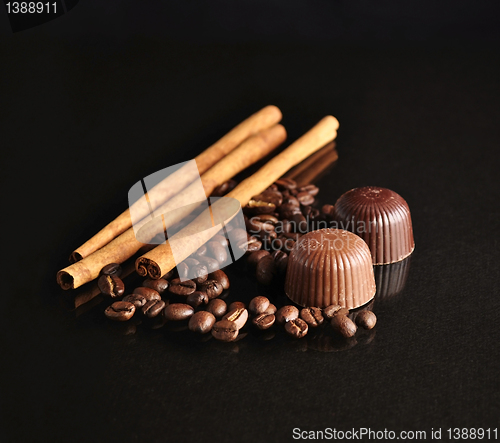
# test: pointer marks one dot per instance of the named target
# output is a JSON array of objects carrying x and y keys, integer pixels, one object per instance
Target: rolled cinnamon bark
[
  {"x": 161, "y": 259},
  {"x": 126, "y": 245},
  {"x": 175, "y": 182}
]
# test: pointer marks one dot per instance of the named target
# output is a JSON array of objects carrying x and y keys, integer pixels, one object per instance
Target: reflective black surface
[{"x": 85, "y": 115}]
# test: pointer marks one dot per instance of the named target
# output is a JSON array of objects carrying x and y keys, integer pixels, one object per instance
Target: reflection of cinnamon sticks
[
  {"x": 160, "y": 260},
  {"x": 177, "y": 181},
  {"x": 126, "y": 244}
]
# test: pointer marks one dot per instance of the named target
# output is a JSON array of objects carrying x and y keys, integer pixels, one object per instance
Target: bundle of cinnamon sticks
[{"x": 244, "y": 145}]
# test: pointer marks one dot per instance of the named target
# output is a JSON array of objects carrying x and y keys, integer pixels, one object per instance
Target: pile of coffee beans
[{"x": 275, "y": 220}]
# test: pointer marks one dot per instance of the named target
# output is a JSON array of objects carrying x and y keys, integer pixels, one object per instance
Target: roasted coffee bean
[
  {"x": 201, "y": 251},
  {"x": 255, "y": 226},
  {"x": 236, "y": 305},
  {"x": 225, "y": 330},
  {"x": 292, "y": 201},
  {"x": 191, "y": 262},
  {"x": 268, "y": 219},
  {"x": 287, "y": 211},
  {"x": 217, "y": 307},
  {"x": 120, "y": 311},
  {"x": 178, "y": 311},
  {"x": 112, "y": 269},
  {"x": 168, "y": 275},
  {"x": 221, "y": 277},
  {"x": 199, "y": 273},
  {"x": 255, "y": 257},
  {"x": 223, "y": 189},
  {"x": 201, "y": 322},
  {"x": 271, "y": 309},
  {"x": 286, "y": 183},
  {"x": 211, "y": 287},
  {"x": 306, "y": 211},
  {"x": 266, "y": 236},
  {"x": 197, "y": 298},
  {"x": 182, "y": 270},
  {"x": 258, "y": 305},
  {"x": 311, "y": 189},
  {"x": 305, "y": 198},
  {"x": 260, "y": 207},
  {"x": 159, "y": 285},
  {"x": 264, "y": 321},
  {"x": 265, "y": 270},
  {"x": 283, "y": 226},
  {"x": 211, "y": 263},
  {"x": 239, "y": 316},
  {"x": 330, "y": 311},
  {"x": 344, "y": 325},
  {"x": 217, "y": 251},
  {"x": 111, "y": 285},
  {"x": 147, "y": 293},
  {"x": 366, "y": 319},
  {"x": 179, "y": 287},
  {"x": 281, "y": 260},
  {"x": 137, "y": 300},
  {"x": 299, "y": 223},
  {"x": 327, "y": 210},
  {"x": 286, "y": 314},
  {"x": 250, "y": 245},
  {"x": 236, "y": 235},
  {"x": 220, "y": 239},
  {"x": 152, "y": 308},
  {"x": 296, "y": 328},
  {"x": 269, "y": 196},
  {"x": 312, "y": 316}
]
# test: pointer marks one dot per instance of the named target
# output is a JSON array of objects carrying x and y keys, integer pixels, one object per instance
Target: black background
[{"x": 95, "y": 100}]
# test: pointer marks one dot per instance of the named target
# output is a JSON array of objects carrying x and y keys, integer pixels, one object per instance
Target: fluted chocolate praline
[
  {"x": 381, "y": 217},
  {"x": 330, "y": 266}
]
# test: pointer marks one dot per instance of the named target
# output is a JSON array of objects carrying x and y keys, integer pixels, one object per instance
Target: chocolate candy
[
  {"x": 381, "y": 217},
  {"x": 330, "y": 266}
]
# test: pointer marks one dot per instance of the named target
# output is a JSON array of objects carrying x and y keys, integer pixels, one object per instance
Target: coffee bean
[
  {"x": 147, "y": 293},
  {"x": 286, "y": 314},
  {"x": 211, "y": 263},
  {"x": 330, "y": 311},
  {"x": 223, "y": 189},
  {"x": 258, "y": 305},
  {"x": 287, "y": 211},
  {"x": 211, "y": 287},
  {"x": 120, "y": 311},
  {"x": 179, "y": 287},
  {"x": 137, "y": 300},
  {"x": 191, "y": 262},
  {"x": 264, "y": 321},
  {"x": 236, "y": 305},
  {"x": 217, "y": 251},
  {"x": 168, "y": 275},
  {"x": 112, "y": 269},
  {"x": 220, "y": 239},
  {"x": 327, "y": 210},
  {"x": 344, "y": 325},
  {"x": 286, "y": 183},
  {"x": 260, "y": 207},
  {"x": 239, "y": 316},
  {"x": 182, "y": 270},
  {"x": 255, "y": 257},
  {"x": 159, "y": 285},
  {"x": 199, "y": 273},
  {"x": 250, "y": 245},
  {"x": 312, "y": 316},
  {"x": 201, "y": 322},
  {"x": 281, "y": 260},
  {"x": 236, "y": 235},
  {"x": 221, "y": 277},
  {"x": 296, "y": 328},
  {"x": 270, "y": 196},
  {"x": 217, "y": 307},
  {"x": 283, "y": 226},
  {"x": 178, "y": 311},
  {"x": 305, "y": 198},
  {"x": 306, "y": 211},
  {"x": 197, "y": 298},
  {"x": 299, "y": 223},
  {"x": 225, "y": 330},
  {"x": 366, "y": 319},
  {"x": 152, "y": 308},
  {"x": 111, "y": 285},
  {"x": 265, "y": 270},
  {"x": 291, "y": 200},
  {"x": 202, "y": 251},
  {"x": 311, "y": 189},
  {"x": 268, "y": 219}
]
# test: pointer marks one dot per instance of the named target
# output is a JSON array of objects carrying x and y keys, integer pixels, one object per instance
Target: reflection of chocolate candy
[
  {"x": 391, "y": 279},
  {"x": 381, "y": 218},
  {"x": 330, "y": 267}
]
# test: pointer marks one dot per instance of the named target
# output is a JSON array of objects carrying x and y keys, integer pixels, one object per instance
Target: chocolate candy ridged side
[
  {"x": 381, "y": 217},
  {"x": 330, "y": 266}
]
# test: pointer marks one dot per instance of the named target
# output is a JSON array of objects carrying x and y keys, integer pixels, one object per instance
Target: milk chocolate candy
[
  {"x": 381, "y": 218},
  {"x": 330, "y": 267}
]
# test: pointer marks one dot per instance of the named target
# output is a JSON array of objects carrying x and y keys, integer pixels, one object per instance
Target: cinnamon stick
[
  {"x": 126, "y": 245},
  {"x": 165, "y": 257},
  {"x": 263, "y": 119}
]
